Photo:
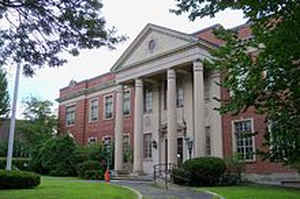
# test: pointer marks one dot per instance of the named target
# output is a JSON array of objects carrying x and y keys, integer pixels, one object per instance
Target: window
[
  {"x": 148, "y": 101},
  {"x": 92, "y": 140},
  {"x": 106, "y": 140},
  {"x": 126, "y": 149},
  {"x": 179, "y": 97},
  {"x": 243, "y": 139},
  {"x": 70, "y": 115},
  {"x": 108, "y": 103},
  {"x": 93, "y": 114},
  {"x": 207, "y": 141},
  {"x": 126, "y": 102},
  {"x": 148, "y": 146}
]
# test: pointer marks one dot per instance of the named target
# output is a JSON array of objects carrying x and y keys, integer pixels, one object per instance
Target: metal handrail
[{"x": 163, "y": 171}]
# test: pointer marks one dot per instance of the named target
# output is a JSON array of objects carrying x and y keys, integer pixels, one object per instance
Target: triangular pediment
[{"x": 152, "y": 41}]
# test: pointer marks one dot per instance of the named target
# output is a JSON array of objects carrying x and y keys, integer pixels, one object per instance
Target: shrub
[
  {"x": 94, "y": 174},
  {"x": 17, "y": 163},
  {"x": 204, "y": 170},
  {"x": 229, "y": 179},
  {"x": 18, "y": 179},
  {"x": 234, "y": 168},
  {"x": 180, "y": 176},
  {"x": 95, "y": 152},
  {"x": 56, "y": 156},
  {"x": 89, "y": 166}
]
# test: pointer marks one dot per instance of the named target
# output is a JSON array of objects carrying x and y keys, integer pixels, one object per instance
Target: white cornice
[{"x": 143, "y": 34}]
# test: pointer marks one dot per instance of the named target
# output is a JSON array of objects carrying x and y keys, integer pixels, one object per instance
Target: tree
[
  {"x": 4, "y": 97},
  {"x": 40, "y": 123},
  {"x": 262, "y": 72},
  {"x": 35, "y": 32}
]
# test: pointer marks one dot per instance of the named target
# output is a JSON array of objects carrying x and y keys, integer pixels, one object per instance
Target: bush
[
  {"x": 89, "y": 169},
  {"x": 234, "y": 168},
  {"x": 18, "y": 179},
  {"x": 204, "y": 171},
  {"x": 229, "y": 179},
  {"x": 57, "y": 156},
  {"x": 180, "y": 176},
  {"x": 94, "y": 174},
  {"x": 94, "y": 152},
  {"x": 17, "y": 163}
]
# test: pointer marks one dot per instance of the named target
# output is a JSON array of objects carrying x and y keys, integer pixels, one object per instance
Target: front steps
[{"x": 126, "y": 176}]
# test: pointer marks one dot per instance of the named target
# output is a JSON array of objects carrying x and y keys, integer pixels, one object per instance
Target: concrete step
[{"x": 132, "y": 178}]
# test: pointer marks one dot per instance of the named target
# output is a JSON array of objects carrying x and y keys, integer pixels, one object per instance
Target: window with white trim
[
  {"x": 92, "y": 140},
  {"x": 70, "y": 115},
  {"x": 148, "y": 101},
  {"x": 106, "y": 140},
  {"x": 179, "y": 97},
  {"x": 244, "y": 141},
  {"x": 93, "y": 113},
  {"x": 148, "y": 146},
  {"x": 126, "y": 102},
  {"x": 108, "y": 107}
]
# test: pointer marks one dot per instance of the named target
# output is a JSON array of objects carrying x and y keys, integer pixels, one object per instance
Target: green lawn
[
  {"x": 68, "y": 188},
  {"x": 255, "y": 192}
]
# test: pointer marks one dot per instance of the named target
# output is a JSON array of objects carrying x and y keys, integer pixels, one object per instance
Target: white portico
[{"x": 173, "y": 99}]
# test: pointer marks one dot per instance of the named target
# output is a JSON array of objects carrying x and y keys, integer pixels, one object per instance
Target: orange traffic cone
[{"x": 106, "y": 175}]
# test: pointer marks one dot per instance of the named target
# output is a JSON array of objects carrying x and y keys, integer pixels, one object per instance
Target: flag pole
[{"x": 13, "y": 121}]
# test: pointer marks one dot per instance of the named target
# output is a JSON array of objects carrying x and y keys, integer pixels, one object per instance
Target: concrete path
[{"x": 151, "y": 191}]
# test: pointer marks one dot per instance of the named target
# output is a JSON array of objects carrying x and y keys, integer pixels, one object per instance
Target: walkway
[{"x": 152, "y": 191}]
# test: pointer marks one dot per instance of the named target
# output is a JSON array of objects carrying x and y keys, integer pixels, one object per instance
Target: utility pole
[{"x": 13, "y": 121}]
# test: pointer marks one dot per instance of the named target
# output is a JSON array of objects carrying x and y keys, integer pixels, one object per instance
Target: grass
[
  {"x": 69, "y": 188},
  {"x": 255, "y": 192}
]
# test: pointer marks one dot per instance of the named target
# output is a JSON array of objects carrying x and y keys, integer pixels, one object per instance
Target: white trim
[
  {"x": 141, "y": 36},
  {"x": 66, "y": 107},
  {"x": 90, "y": 110},
  {"x": 104, "y": 107},
  {"x": 90, "y": 138},
  {"x": 104, "y": 91},
  {"x": 234, "y": 139}
]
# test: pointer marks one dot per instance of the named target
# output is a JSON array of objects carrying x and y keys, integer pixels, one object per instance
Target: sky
[{"x": 129, "y": 17}]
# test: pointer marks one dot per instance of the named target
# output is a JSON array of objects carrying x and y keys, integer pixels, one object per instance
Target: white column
[
  {"x": 172, "y": 117},
  {"x": 119, "y": 130},
  {"x": 199, "y": 109},
  {"x": 138, "y": 127},
  {"x": 155, "y": 124}
]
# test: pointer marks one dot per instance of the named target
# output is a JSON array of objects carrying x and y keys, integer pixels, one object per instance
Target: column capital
[
  {"x": 171, "y": 74},
  {"x": 119, "y": 88},
  {"x": 138, "y": 82},
  {"x": 197, "y": 66}
]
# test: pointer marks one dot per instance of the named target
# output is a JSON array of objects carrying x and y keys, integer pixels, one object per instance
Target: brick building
[{"x": 157, "y": 99}]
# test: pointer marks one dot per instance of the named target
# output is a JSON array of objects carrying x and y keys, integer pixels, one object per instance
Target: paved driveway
[{"x": 152, "y": 191}]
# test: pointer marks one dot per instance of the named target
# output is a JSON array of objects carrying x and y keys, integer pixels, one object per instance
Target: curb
[
  {"x": 140, "y": 196},
  {"x": 214, "y": 194}
]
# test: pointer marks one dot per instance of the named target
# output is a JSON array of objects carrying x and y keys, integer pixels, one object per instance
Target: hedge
[
  {"x": 17, "y": 163},
  {"x": 18, "y": 179}
]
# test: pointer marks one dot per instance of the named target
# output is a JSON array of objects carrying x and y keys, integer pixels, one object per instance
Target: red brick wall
[
  {"x": 258, "y": 166},
  {"x": 83, "y": 129}
]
